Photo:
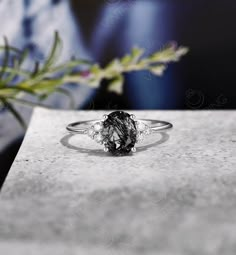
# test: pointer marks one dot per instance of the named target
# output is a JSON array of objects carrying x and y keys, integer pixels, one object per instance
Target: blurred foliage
[{"x": 48, "y": 77}]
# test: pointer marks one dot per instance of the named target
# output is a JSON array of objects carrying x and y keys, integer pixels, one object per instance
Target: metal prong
[
  {"x": 105, "y": 149},
  {"x": 133, "y": 149},
  {"x": 133, "y": 117},
  {"x": 105, "y": 116}
]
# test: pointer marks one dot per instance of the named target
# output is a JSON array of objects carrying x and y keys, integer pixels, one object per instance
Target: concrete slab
[{"x": 174, "y": 196}]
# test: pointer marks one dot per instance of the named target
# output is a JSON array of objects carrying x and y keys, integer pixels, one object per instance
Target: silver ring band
[
  {"x": 119, "y": 131},
  {"x": 81, "y": 127}
]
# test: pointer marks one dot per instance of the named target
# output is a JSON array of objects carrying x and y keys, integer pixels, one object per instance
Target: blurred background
[{"x": 105, "y": 29}]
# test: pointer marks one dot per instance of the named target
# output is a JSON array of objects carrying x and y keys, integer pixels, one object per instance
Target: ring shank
[
  {"x": 81, "y": 127},
  {"x": 157, "y": 125}
]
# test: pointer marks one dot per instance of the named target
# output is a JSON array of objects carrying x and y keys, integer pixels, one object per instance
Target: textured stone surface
[{"x": 64, "y": 195}]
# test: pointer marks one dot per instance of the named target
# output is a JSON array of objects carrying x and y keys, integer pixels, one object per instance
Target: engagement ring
[{"x": 118, "y": 131}]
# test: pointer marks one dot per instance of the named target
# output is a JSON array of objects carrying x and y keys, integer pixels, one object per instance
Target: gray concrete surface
[{"x": 64, "y": 195}]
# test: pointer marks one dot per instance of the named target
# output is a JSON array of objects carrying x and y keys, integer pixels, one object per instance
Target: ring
[{"x": 119, "y": 131}]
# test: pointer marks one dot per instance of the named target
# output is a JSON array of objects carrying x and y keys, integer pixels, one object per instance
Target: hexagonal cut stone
[{"x": 119, "y": 132}]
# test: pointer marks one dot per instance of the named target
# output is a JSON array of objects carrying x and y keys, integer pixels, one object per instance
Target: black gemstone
[{"x": 119, "y": 132}]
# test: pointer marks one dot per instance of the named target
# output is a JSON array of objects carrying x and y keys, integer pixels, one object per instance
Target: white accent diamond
[
  {"x": 97, "y": 127},
  {"x": 140, "y": 138},
  {"x": 98, "y": 138},
  {"x": 148, "y": 131},
  {"x": 141, "y": 126},
  {"x": 91, "y": 132}
]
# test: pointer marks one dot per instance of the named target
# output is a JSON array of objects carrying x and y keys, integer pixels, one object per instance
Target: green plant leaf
[
  {"x": 5, "y": 61},
  {"x": 53, "y": 55},
  {"x": 158, "y": 70},
  {"x": 70, "y": 65},
  {"x": 28, "y": 103},
  {"x": 13, "y": 49},
  {"x": 170, "y": 53},
  {"x": 69, "y": 95},
  {"x": 116, "y": 85},
  {"x": 181, "y": 51},
  {"x": 136, "y": 54},
  {"x": 17, "y": 62},
  {"x": 126, "y": 60},
  {"x": 47, "y": 78},
  {"x": 12, "y": 109},
  {"x": 132, "y": 58},
  {"x": 14, "y": 90},
  {"x": 95, "y": 69}
]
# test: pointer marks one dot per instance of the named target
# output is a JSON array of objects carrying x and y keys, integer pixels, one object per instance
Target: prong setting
[
  {"x": 105, "y": 149},
  {"x": 133, "y": 117},
  {"x": 105, "y": 116}
]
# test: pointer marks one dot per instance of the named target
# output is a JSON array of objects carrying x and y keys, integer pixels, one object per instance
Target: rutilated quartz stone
[{"x": 119, "y": 132}]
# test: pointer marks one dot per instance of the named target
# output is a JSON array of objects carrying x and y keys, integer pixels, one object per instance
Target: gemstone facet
[{"x": 119, "y": 132}]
